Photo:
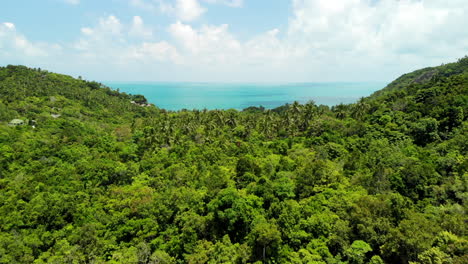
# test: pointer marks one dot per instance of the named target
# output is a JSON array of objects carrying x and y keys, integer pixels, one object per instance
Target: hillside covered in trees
[{"x": 98, "y": 176}]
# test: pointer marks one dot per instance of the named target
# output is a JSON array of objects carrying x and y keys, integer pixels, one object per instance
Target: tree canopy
[{"x": 97, "y": 178}]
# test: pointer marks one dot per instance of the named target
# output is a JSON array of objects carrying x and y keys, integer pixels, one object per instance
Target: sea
[{"x": 178, "y": 96}]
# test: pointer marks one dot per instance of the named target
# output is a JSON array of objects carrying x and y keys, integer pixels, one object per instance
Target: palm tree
[
  {"x": 310, "y": 112},
  {"x": 231, "y": 120},
  {"x": 220, "y": 118},
  {"x": 340, "y": 111},
  {"x": 295, "y": 108},
  {"x": 360, "y": 109}
]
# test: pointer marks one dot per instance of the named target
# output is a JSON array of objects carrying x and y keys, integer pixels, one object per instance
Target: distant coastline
[{"x": 199, "y": 95}]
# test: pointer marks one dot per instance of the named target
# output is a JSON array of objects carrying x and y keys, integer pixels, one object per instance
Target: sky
[{"x": 233, "y": 40}]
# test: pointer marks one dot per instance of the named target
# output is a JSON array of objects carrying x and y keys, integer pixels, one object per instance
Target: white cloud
[
  {"x": 386, "y": 25},
  {"x": 215, "y": 47},
  {"x": 336, "y": 40},
  {"x": 231, "y": 3},
  {"x": 110, "y": 25},
  {"x": 188, "y": 10},
  {"x": 106, "y": 34},
  {"x": 158, "y": 51},
  {"x": 9, "y": 26},
  {"x": 112, "y": 41},
  {"x": 14, "y": 44},
  {"x": 87, "y": 31},
  {"x": 268, "y": 48},
  {"x": 138, "y": 28},
  {"x": 386, "y": 32},
  {"x": 207, "y": 40},
  {"x": 72, "y": 2},
  {"x": 325, "y": 40},
  {"x": 183, "y": 10}
]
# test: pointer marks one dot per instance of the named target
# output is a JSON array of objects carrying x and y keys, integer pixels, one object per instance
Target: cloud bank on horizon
[{"x": 322, "y": 40}]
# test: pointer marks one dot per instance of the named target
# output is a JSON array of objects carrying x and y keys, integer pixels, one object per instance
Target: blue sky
[{"x": 233, "y": 40}]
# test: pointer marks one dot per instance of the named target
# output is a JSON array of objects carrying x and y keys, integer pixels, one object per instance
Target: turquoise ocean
[{"x": 177, "y": 96}]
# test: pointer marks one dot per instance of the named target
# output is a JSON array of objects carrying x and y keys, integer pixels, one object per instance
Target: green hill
[
  {"x": 428, "y": 74},
  {"x": 34, "y": 93},
  {"x": 98, "y": 176}
]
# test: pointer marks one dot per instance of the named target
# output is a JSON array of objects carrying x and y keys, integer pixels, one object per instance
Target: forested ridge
[{"x": 99, "y": 176}]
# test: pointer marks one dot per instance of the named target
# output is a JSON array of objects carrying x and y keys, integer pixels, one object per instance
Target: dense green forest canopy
[{"x": 99, "y": 176}]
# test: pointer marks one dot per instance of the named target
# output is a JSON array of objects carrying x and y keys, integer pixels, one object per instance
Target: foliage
[{"x": 109, "y": 179}]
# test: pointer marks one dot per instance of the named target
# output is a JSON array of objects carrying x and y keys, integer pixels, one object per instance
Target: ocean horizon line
[
  {"x": 243, "y": 83},
  {"x": 182, "y": 95}
]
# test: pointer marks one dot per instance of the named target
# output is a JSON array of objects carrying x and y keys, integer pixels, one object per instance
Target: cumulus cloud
[
  {"x": 214, "y": 53},
  {"x": 188, "y": 10},
  {"x": 346, "y": 39},
  {"x": 380, "y": 31},
  {"x": 211, "y": 46},
  {"x": 268, "y": 48},
  {"x": 156, "y": 51},
  {"x": 207, "y": 40},
  {"x": 113, "y": 41},
  {"x": 139, "y": 29},
  {"x": 324, "y": 40},
  {"x": 15, "y": 44},
  {"x": 110, "y": 25},
  {"x": 8, "y": 26}
]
